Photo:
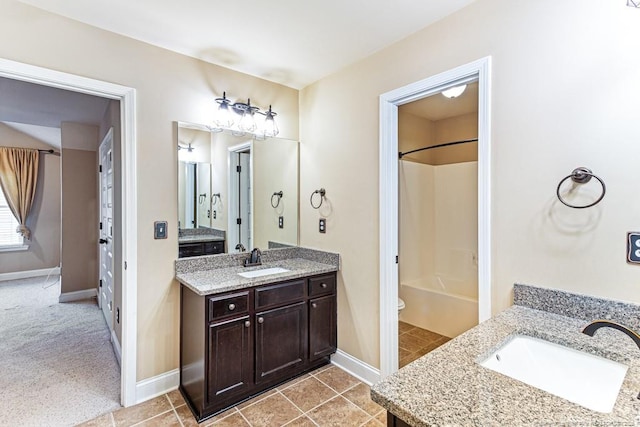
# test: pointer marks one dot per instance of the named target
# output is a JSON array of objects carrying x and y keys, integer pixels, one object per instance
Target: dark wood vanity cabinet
[
  {"x": 200, "y": 248},
  {"x": 238, "y": 344}
]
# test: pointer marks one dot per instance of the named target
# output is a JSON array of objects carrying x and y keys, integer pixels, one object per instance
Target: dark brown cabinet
[
  {"x": 238, "y": 344},
  {"x": 200, "y": 248}
]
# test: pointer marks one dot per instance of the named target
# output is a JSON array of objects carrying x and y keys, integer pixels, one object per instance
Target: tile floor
[
  {"x": 414, "y": 342},
  {"x": 327, "y": 396}
]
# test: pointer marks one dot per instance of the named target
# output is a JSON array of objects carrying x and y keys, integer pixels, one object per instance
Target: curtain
[{"x": 18, "y": 178}]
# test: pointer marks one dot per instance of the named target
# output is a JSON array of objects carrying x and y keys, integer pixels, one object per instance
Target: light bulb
[
  {"x": 270, "y": 126},
  {"x": 454, "y": 92},
  {"x": 224, "y": 115}
]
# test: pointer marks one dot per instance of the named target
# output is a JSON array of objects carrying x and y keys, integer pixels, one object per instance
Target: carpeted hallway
[{"x": 57, "y": 366}]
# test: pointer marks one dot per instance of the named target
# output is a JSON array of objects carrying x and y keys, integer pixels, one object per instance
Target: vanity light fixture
[
  {"x": 239, "y": 117},
  {"x": 633, "y": 3},
  {"x": 454, "y": 92},
  {"x": 189, "y": 148}
]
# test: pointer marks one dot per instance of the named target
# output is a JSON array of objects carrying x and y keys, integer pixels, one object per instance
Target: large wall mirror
[{"x": 235, "y": 192}]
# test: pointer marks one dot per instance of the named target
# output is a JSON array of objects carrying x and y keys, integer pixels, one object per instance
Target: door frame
[
  {"x": 232, "y": 184},
  {"x": 127, "y": 97},
  {"x": 479, "y": 70}
]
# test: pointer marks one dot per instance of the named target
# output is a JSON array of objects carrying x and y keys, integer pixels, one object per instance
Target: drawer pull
[
  {"x": 314, "y": 305},
  {"x": 260, "y": 319},
  {"x": 232, "y": 307},
  {"x": 247, "y": 324},
  {"x": 323, "y": 285}
]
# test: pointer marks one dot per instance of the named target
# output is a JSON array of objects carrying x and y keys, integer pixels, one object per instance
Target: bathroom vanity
[
  {"x": 241, "y": 336},
  {"x": 452, "y": 386}
]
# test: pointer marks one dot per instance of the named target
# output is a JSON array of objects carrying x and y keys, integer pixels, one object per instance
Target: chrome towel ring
[
  {"x": 214, "y": 198},
  {"x": 321, "y": 192},
  {"x": 581, "y": 175},
  {"x": 278, "y": 196}
]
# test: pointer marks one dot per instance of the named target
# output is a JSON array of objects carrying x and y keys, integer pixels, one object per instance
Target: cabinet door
[
  {"x": 281, "y": 341},
  {"x": 230, "y": 359},
  {"x": 322, "y": 327}
]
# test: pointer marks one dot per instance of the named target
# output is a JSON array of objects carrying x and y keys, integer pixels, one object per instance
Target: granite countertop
[
  {"x": 218, "y": 280},
  {"x": 447, "y": 387},
  {"x": 197, "y": 238}
]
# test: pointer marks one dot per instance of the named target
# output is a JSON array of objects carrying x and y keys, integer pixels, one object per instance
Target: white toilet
[{"x": 400, "y": 305}]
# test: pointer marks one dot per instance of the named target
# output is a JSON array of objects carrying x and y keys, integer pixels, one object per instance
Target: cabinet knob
[
  {"x": 314, "y": 305},
  {"x": 260, "y": 319},
  {"x": 247, "y": 324},
  {"x": 323, "y": 285},
  {"x": 232, "y": 307}
]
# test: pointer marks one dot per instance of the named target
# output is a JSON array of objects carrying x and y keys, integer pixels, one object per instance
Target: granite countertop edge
[
  {"x": 219, "y": 280},
  {"x": 198, "y": 238},
  {"x": 448, "y": 387}
]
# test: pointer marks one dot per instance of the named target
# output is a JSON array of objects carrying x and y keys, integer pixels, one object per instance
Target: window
[{"x": 8, "y": 225}]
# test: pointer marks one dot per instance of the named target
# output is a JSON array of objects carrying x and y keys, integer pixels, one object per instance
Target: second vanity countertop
[
  {"x": 227, "y": 279},
  {"x": 447, "y": 387},
  {"x": 198, "y": 238}
]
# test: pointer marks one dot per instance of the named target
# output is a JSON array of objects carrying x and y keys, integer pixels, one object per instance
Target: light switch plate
[
  {"x": 280, "y": 222},
  {"x": 633, "y": 247},
  {"x": 160, "y": 230},
  {"x": 322, "y": 225}
]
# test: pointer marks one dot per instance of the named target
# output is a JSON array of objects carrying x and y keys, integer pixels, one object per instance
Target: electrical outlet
[
  {"x": 280, "y": 222},
  {"x": 215, "y": 214},
  {"x": 322, "y": 225},
  {"x": 160, "y": 230},
  {"x": 633, "y": 247}
]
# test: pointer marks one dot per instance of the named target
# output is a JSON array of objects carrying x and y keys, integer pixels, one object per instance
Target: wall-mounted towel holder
[
  {"x": 214, "y": 198},
  {"x": 278, "y": 195},
  {"x": 321, "y": 192},
  {"x": 581, "y": 175}
]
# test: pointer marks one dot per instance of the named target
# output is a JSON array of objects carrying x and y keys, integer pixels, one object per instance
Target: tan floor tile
[
  {"x": 361, "y": 396},
  {"x": 424, "y": 334},
  {"x": 382, "y": 417},
  {"x": 403, "y": 352},
  {"x": 411, "y": 343},
  {"x": 135, "y": 414},
  {"x": 373, "y": 423},
  {"x": 292, "y": 382},
  {"x": 322, "y": 368},
  {"x": 188, "y": 420},
  {"x": 233, "y": 420},
  {"x": 404, "y": 327},
  {"x": 338, "y": 412},
  {"x": 275, "y": 410},
  {"x": 101, "y": 421},
  {"x": 337, "y": 379},
  {"x": 176, "y": 399},
  {"x": 258, "y": 398},
  {"x": 302, "y": 421},
  {"x": 168, "y": 419},
  {"x": 309, "y": 393}
]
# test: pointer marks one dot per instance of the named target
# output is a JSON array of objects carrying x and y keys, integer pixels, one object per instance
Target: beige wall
[
  {"x": 572, "y": 60},
  {"x": 169, "y": 87},
  {"x": 79, "y": 209},
  {"x": 44, "y": 220}
]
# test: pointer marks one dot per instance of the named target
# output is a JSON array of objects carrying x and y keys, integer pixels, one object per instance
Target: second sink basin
[
  {"x": 262, "y": 272},
  {"x": 585, "y": 379}
]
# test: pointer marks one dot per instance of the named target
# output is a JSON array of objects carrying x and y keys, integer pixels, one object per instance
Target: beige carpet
[{"x": 57, "y": 365}]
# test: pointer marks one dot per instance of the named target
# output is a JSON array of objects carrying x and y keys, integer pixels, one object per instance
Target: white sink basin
[
  {"x": 263, "y": 272},
  {"x": 582, "y": 378}
]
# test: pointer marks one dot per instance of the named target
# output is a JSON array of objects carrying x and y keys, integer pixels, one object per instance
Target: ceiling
[
  {"x": 291, "y": 42},
  {"x": 438, "y": 107}
]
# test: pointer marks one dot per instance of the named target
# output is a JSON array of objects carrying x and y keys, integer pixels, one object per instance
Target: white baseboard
[
  {"x": 77, "y": 295},
  {"x": 31, "y": 273},
  {"x": 158, "y": 385},
  {"x": 359, "y": 369},
  {"x": 116, "y": 347}
]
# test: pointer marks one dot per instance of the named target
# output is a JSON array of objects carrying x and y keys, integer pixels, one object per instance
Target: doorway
[
  {"x": 389, "y": 102},
  {"x": 240, "y": 198},
  {"x": 128, "y": 269}
]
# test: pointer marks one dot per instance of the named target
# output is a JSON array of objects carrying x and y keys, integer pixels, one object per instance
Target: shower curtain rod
[
  {"x": 446, "y": 144},
  {"x": 49, "y": 151}
]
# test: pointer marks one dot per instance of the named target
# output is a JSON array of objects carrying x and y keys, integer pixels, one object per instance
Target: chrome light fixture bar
[
  {"x": 239, "y": 118},
  {"x": 633, "y": 3}
]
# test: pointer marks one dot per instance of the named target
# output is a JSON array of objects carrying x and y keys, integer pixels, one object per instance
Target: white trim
[
  {"x": 14, "y": 248},
  {"x": 356, "y": 367},
  {"x": 77, "y": 295},
  {"x": 30, "y": 273},
  {"x": 232, "y": 195},
  {"x": 116, "y": 346},
  {"x": 157, "y": 386},
  {"x": 127, "y": 97},
  {"x": 478, "y": 70}
]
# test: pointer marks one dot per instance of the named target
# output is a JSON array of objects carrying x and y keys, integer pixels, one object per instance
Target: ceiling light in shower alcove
[{"x": 454, "y": 92}]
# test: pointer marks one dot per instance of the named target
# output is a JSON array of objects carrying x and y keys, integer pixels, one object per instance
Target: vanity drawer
[
  {"x": 223, "y": 306},
  {"x": 322, "y": 285},
  {"x": 279, "y": 294},
  {"x": 211, "y": 248}
]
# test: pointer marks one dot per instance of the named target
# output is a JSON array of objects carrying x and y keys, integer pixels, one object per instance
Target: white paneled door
[{"x": 106, "y": 227}]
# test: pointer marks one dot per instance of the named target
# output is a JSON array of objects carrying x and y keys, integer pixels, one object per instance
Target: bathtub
[{"x": 448, "y": 307}]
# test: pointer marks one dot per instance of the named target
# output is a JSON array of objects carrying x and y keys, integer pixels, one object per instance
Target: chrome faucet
[
  {"x": 240, "y": 247},
  {"x": 592, "y": 327},
  {"x": 254, "y": 259}
]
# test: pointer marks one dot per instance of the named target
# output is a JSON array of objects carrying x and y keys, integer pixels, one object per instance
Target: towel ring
[
  {"x": 581, "y": 175},
  {"x": 278, "y": 196},
  {"x": 321, "y": 192},
  {"x": 214, "y": 198}
]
